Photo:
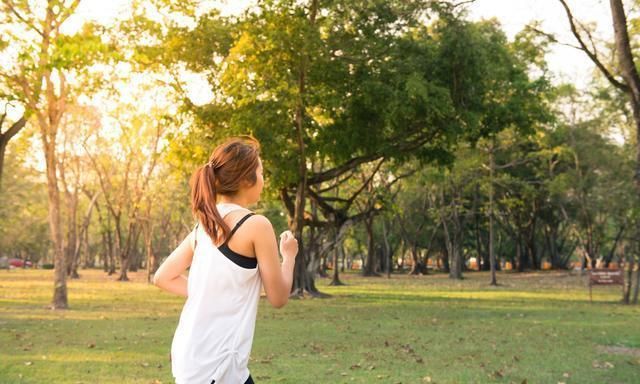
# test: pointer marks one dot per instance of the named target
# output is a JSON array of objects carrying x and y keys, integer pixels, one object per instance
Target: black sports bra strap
[
  {"x": 195, "y": 236},
  {"x": 248, "y": 215}
]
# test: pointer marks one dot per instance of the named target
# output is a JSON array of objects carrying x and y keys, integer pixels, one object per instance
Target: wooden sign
[{"x": 605, "y": 277}]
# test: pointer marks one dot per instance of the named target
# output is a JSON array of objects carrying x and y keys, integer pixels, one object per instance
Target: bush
[{"x": 47, "y": 266}]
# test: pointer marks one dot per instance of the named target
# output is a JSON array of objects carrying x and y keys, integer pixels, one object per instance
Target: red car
[{"x": 19, "y": 263}]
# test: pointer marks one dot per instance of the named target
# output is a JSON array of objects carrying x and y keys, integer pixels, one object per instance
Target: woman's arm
[
  {"x": 169, "y": 276},
  {"x": 276, "y": 278}
]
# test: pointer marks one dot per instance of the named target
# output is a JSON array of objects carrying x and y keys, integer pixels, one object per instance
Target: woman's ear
[{"x": 246, "y": 183}]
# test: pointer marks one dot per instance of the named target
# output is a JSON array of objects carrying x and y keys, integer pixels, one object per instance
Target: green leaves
[{"x": 82, "y": 49}]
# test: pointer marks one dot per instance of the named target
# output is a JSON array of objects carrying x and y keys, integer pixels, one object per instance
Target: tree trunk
[
  {"x": 135, "y": 254},
  {"x": 387, "y": 249},
  {"x": 416, "y": 267},
  {"x": 636, "y": 290},
  {"x": 127, "y": 250},
  {"x": 60, "y": 299},
  {"x": 71, "y": 199},
  {"x": 632, "y": 79},
  {"x": 85, "y": 252},
  {"x": 612, "y": 251},
  {"x": 117, "y": 243},
  {"x": 492, "y": 254},
  {"x": 106, "y": 251},
  {"x": 480, "y": 253},
  {"x": 152, "y": 259},
  {"x": 454, "y": 262},
  {"x": 338, "y": 252},
  {"x": 302, "y": 281},
  {"x": 115, "y": 240},
  {"x": 626, "y": 294},
  {"x": 82, "y": 236},
  {"x": 300, "y": 278},
  {"x": 550, "y": 235},
  {"x": 522, "y": 255},
  {"x": 370, "y": 265}
]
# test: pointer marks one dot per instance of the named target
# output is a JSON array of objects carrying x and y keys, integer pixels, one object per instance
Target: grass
[{"x": 534, "y": 328}]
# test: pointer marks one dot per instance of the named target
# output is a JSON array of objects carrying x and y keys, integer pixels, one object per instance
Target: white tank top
[{"x": 215, "y": 332}]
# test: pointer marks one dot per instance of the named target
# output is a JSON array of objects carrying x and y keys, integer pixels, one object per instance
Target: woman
[{"x": 230, "y": 253}]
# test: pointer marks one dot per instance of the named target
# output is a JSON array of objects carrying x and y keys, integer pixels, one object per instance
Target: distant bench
[{"x": 605, "y": 277}]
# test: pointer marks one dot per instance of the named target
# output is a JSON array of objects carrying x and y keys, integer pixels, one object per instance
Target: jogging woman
[{"x": 231, "y": 254}]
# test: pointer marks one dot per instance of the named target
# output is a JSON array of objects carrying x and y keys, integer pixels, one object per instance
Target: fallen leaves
[{"x": 602, "y": 364}]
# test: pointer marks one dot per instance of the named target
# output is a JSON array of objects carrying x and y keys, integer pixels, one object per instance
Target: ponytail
[
  {"x": 203, "y": 203},
  {"x": 231, "y": 165}
]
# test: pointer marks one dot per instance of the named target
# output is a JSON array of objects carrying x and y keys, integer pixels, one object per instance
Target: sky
[{"x": 566, "y": 63}]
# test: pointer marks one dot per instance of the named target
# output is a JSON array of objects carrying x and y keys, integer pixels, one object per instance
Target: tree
[
  {"x": 74, "y": 175},
  {"x": 43, "y": 73},
  {"x": 135, "y": 153},
  {"x": 345, "y": 85},
  {"x": 23, "y": 207},
  {"x": 629, "y": 84}
]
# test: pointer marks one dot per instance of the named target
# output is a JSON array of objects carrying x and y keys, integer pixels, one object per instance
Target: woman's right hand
[{"x": 288, "y": 245}]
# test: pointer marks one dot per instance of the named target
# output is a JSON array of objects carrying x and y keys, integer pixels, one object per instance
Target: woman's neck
[{"x": 237, "y": 200}]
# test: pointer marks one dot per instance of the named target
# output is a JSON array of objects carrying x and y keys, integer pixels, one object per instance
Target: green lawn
[{"x": 535, "y": 328}]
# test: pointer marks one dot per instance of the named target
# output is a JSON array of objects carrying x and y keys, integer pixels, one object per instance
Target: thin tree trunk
[
  {"x": 607, "y": 261},
  {"x": 88, "y": 260},
  {"x": 344, "y": 261},
  {"x": 387, "y": 250},
  {"x": 116, "y": 241},
  {"x": 626, "y": 295},
  {"x": 479, "y": 248},
  {"x": 370, "y": 265},
  {"x": 338, "y": 252},
  {"x": 453, "y": 253},
  {"x": 636, "y": 290},
  {"x": 127, "y": 251},
  {"x": 134, "y": 250},
  {"x": 492, "y": 254},
  {"x": 71, "y": 199},
  {"x": 152, "y": 259},
  {"x": 82, "y": 235},
  {"x": 300, "y": 278},
  {"x": 456, "y": 264}
]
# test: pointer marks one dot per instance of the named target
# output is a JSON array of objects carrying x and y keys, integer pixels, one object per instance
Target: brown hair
[{"x": 231, "y": 164}]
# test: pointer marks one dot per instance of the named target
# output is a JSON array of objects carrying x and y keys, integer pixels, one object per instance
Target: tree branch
[
  {"x": 15, "y": 128},
  {"x": 592, "y": 55},
  {"x": 30, "y": 23},
  {"x": 339, "y": 170},
  {"x": 337, "y": 183},
  {"x": 552, "y": 37},
  {"x": 627, "y": 64},
  {"x": 364, "y": 185},
  {"x": 65, "y": 13}
]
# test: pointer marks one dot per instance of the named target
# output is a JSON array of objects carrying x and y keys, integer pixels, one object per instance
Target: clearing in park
[{"x": 534, "y": 328}]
